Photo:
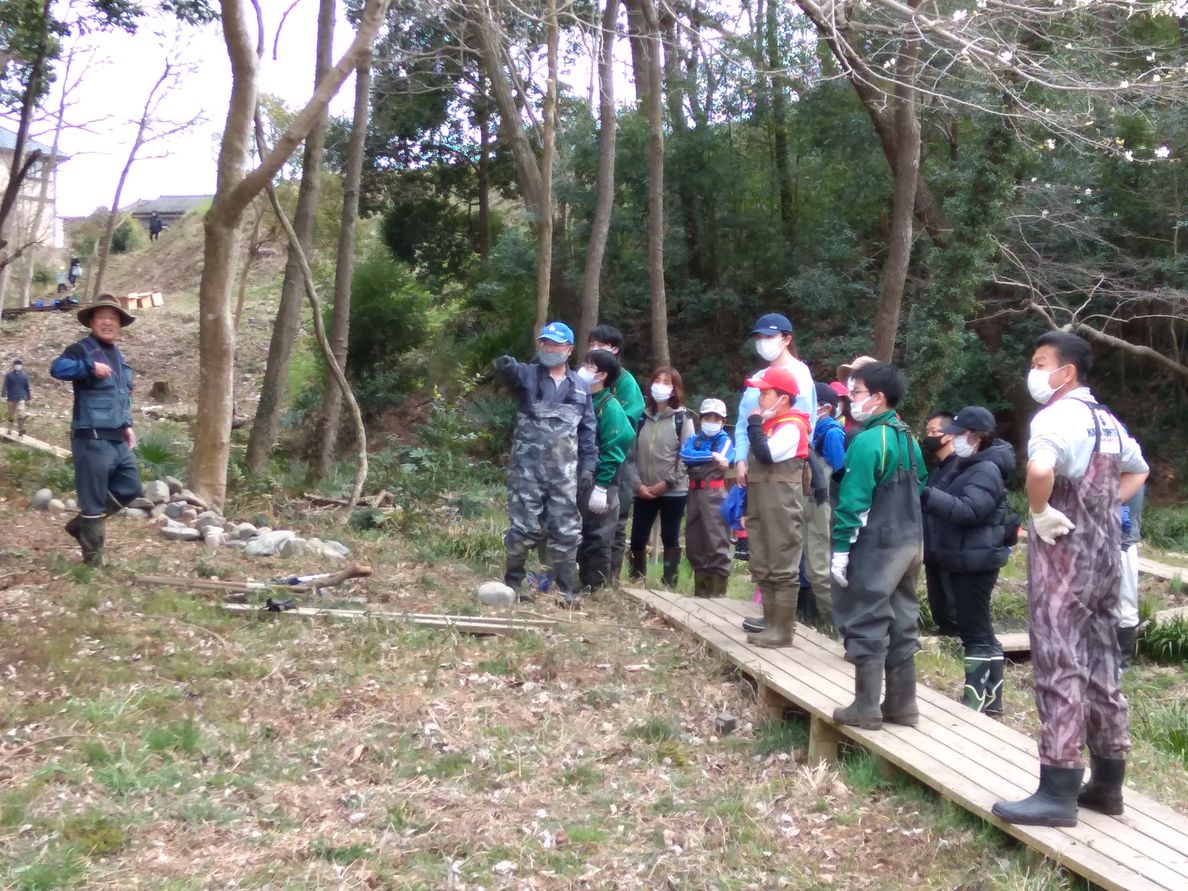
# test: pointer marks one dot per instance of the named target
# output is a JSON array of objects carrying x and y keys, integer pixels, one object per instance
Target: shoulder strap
[{"x": 678, "y": 419}]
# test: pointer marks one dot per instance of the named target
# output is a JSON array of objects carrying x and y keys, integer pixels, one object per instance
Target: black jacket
[
  {"x": 937, "y": 477},
  {"x": 967, "y": 510}
]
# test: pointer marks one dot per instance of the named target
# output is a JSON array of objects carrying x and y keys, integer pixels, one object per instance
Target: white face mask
[
  {"x": 587, "y": 374},
  {"x": 962, "y": 447},
  {"x": 858, "y": 411},
  {"x": 1039, "y": 384},
  {"x": 711, "y": 428},
  {"x": 661, "y": 393},
  {"x": 769, "y": 348}
]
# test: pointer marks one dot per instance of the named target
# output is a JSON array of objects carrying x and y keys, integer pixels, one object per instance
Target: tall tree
[
  {"x": 234, "y": 192},
  {"x": 660, "y": 354},
  {"x": 907, "y": 172},
  {"x": 331, "y": 412},
  {"x": 604, "y": 200},
  {"x": 288, "y": 316}
]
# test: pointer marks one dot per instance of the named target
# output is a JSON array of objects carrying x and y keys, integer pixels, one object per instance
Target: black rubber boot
[
  {"x": 782, "y": 628},
  {"x": 864, "y": 710},
  {"x": 73, "y": 527},
  {"x": 90, "y": 537},
  {"x": 994, "y": 691},
  {"x": 672, "y": 567},
  {"x": 563, "y": 573},
  {"x": 1103, "y": 792},
  {"x": 516, "y": 567},
  {"x": 757, "y": 624},
  {"x": 900, "y": 706},
  {"x": 639, "y": 565},
  {"x": 1053, "y": 804},
  {"x": 806, "y": 605},
  {"x": 1126, "y": 638},
  {"x": 977, "y": 682}
]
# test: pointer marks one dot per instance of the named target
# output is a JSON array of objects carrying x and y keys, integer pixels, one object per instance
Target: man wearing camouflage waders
[
  {"x": 554, "y": 451},
  {"x": 102, "y": 435},
  {"x": 1082, "y": 464},
  {"x": 878, "y": 543}
]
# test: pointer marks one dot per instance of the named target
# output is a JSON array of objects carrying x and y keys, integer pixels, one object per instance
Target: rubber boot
[
  {"x": 639, "y": 564},
  {"x": 90, "y": 537},
  {"x": 1053, "y": 804},
  {"x": 1126, "y": 638},
  {"x": 515, "y": 568},
  {"x": 20, "y": 426},
  {"x": 782, "y": 629},
  {"x": 672, "y": 567},
  {"x": 1103, "y": 792},
  {"x": 864, "y": 710},
  {"x": 806, "y": 605},
  {"x": 900, "y": 706},
  {"x": 700, "y": 584},
  {"x": 994, "y": 690},
  {"x": 563, "y": 573},
  {"x": 758, "y": 624},
  {"x": 718, "y": 585},
  {"x": 73, "y": 527},
  {"x": 975, "y": 695}
]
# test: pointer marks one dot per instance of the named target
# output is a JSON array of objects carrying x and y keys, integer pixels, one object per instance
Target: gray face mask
[{"x": 551, "y": 360}]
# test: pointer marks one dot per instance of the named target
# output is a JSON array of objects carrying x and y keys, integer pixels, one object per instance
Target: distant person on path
[
  {"x": 76, "y": 271},
  {"x": 775, "y": 343},
  {"x": 1082, "y": 467},
  {"x": 968, "y": 515},
  {"x": 627, "y": 391},
  {"x": 877, "y": 541},
  {"x": 155, "y": 226},
  {"x": 616, "y": 437},
  {"x": 780, "y": 438},
  {"x": 707, "y": 456},
  {"x": 554, "y": 450},
  {"x": 938, "y": 446},
  {"x": 63, "y": 282},
  {"x": 16, "y": 394},
  {"x": 102, "y": 434},
  {"x": 660, "y": 482}
]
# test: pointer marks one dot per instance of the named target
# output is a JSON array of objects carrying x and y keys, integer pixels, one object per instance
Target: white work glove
[
  {"x": 838, "y": 567},
  {"x": 1050, "y": 524},
  {"x": 598, "y": 503}
]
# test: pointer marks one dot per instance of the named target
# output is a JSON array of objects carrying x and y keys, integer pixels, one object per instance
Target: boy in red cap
[{"x": 779, "y": 440}]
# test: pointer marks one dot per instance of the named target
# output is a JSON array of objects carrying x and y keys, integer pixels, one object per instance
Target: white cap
[{"x": 713, "y": 407}]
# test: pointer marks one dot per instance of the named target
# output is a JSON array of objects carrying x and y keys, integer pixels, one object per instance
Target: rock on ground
[
  {"x": 177, "y": 532},
  {"x": 292, "y": 547},
  {"x": 175, "y": 509},
  {"x": 266, "y": 544},
  {"x": 42, "y": 499},
  {"x": 156, "y": 491},
  {"x": 214, "y": 539},
  {"x": 495, "y": 594},
  {"x": 187, "y": 495},
  {"x": 55, "y": 504},
  {"x": 175, "y": 485}
]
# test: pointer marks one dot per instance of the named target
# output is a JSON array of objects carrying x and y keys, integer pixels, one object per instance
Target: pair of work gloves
[
  {"x": 598, "y": 500},
  {"x": 1049, "y": 524}
]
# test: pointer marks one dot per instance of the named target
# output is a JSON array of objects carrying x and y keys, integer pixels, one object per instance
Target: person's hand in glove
[
  {"x": 838, "y": 567},
  {"x": 598, "y": 503},
  {"x": 1050, "y": 524}
]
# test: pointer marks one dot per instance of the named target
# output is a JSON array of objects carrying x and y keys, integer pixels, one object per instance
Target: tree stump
[{"x": 162, "y": 391}]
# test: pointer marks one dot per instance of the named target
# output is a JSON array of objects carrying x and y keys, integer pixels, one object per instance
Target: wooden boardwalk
[
  {"x": 30, "y": 443},
  {"x": 965, "y": 756}
]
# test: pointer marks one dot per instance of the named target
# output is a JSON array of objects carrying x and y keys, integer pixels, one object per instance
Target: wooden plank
[
  {"x": 1014, "y": 643},
  {"x": 30, "y": 443},
  {"x": 1114, "y": 853},
  {"x": 462, "y": 624},
  {"x": 1162, "y": 570},
  {"x": 1167, "y": 826}
]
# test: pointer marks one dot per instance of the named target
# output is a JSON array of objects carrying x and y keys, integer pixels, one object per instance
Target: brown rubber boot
[
  {"x": 90, "y": 536},
  {"x": 781, "y": 630},
  {"x": 864, "y": 710}
]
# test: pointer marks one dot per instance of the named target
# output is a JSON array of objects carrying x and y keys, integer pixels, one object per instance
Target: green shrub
[
  {"x": 1166, "y": 526},
  {"x": 1165, "y": 727},
  {"x": 390, "y": 314},
  {"x": 1165, "y": 642},
  {"x": 159, "y": 455},
  {"x": 128, "y": 236}
]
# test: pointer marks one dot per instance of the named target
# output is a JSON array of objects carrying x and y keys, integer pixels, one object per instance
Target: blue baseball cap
[
  {"x": 772, "y": 323},
  {"x": 557, "y": 332}
]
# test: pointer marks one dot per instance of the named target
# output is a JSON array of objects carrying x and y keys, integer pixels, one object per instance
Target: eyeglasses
[{"x": 854, "y": 393}]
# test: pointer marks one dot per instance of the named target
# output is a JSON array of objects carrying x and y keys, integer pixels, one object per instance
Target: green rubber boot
[{"x": 90, "y": 536}]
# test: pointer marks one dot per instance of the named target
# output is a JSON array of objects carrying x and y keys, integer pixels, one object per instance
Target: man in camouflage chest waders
[
  {"x": 1082, "y": 464},
  {"x": 554, "y": 451}
]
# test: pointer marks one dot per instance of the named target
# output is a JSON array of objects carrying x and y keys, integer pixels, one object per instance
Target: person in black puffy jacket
[{"x": 970, "y": 513}]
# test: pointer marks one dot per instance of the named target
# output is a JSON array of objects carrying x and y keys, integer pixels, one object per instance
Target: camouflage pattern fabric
[
  {"x": 1073, "y": 591},
  {"x": 542, "y": 484},
  {"x": 707, "y": 538}
]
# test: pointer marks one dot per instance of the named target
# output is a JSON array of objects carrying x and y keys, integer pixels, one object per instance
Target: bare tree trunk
[
  {"x": 660, "y": 355},
  {"x": 907, "y": 171},
  {"x": 248, "y": 254},
  {"x": 638, "y": 41},
  {"x": 141, "y": 130},
  {"x": 544, "y": 222},
  {"x": 604, "y": 201},
  {"x": 483, "y": 117},
  {"x": 344, "y": 269},
  {"x": 288, "y": 317},
  {"x": 235, "y": 190},
  {"x": 779, "y": 120},
  {"x": 676, "y": 88}
]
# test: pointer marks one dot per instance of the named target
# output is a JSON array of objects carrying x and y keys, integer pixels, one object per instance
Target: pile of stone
[{"x": 180, "y": 515}]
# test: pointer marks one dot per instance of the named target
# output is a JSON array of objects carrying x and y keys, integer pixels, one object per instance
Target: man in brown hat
[{"x": 102, "y": 435}]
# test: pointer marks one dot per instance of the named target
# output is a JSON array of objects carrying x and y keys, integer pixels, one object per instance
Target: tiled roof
[
  {"x": 8, "y": 143},
  {"x": 178, "y": 204}
]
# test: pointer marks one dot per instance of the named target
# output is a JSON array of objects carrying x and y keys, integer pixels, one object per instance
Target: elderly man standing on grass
[
  {"x": 1082, "y": 465},
  {"x": 102, "y": 434}
]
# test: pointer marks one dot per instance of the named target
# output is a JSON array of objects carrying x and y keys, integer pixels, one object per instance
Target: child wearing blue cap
[{"x": 554, "y": 450}]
